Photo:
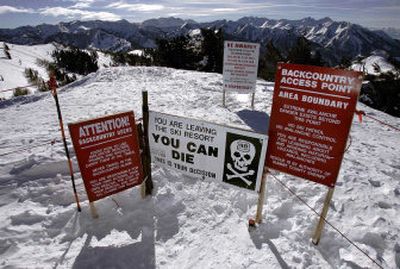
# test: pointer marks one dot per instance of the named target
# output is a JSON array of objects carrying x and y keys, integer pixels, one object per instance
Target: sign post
[
  {"x": 312, "y": 112},
  {"x": 148, "y": 182},
  {"x": 208, "y": 151},
  {"x": 321, "y": 222},
  {"x": 240, "y": 68},
  {"x": 253, "y": 95},
  {"x": 261, "y": 196},
  {"x": 53, "y": 87},
  {"x": 107, "y": 149},
  {"x": 93, "y": 210}
]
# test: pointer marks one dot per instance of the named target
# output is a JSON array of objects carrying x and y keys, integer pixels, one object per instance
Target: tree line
[{"x": 206, "y": 54}]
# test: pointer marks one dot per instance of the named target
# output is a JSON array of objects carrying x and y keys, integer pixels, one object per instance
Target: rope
[
  {"x": 326, "y": 221},
  {"x": 115, "y": 201},
  {"x": 52, "y": 142},
  {"x": 361, "y": 113},
  {"x": 384, "y": 123}
]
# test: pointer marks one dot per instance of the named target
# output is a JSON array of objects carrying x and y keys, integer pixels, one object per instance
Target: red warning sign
[
  {"x": 311, "y": 116},
  {"x": 107, "y": 150}
]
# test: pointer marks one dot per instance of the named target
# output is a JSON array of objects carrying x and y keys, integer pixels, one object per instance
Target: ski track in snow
[{"x": 187, "y": 223}]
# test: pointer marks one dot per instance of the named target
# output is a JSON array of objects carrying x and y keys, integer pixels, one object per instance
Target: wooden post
[
  {"x": 261, "y": 196},
  {"x": 53, "y": 86},
  {"x": 147, "y": 157},
  {"x": 143, "y": 189},
  {"x": 93, "y": 210},
  {"x": 252, "y": 100},
  {"x": 320, "y": 226},
  {"x": 223, "y": 98},
  {"x": 141, "y": 145}
]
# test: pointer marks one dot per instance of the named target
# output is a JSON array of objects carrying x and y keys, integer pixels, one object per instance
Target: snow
[
  {"x": 84, "y": 28},
  {"x": 368, "y": 65},
  {"x": 136, "y": 52},
  {"x": 195, "y": 32},
  {"x": 22, "y": 57},
  {"x": 105, "y": 41},
  {"x": 104, "y": 60},
  {"x": 187, "y": 223}
]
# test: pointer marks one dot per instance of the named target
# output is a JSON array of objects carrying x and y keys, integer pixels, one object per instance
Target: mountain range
[{"x": 333, "y": 39}]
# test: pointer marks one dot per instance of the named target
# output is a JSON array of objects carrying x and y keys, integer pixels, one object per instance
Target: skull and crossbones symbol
[{"x": 242, "y": 154}]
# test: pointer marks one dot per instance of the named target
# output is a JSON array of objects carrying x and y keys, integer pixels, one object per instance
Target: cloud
[
  {"x": 9, "y": 9},
  {"x": 72, "y": 13},
  {"x": 225, "y": 10},
  {"x": 82, "y": 4},
  {"x": 136, "y": 7}
]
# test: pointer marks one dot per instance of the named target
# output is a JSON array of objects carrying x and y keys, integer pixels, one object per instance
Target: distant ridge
[{"x": 335, "y": 40}]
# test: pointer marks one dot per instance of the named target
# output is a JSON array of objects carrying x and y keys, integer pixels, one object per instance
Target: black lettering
[
  {"x": 155, "y": 137},
  {"x": 191, "y": 147}
]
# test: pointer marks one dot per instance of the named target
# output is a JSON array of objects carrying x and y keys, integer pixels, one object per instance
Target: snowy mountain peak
[
  {"x": 325, "y": 20},
  {"x": 335, "y": 40},
  {"x": 167, "y": 22}
]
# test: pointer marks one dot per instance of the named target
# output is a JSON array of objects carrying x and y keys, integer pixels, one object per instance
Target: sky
[{"x": 369, "y": 13}]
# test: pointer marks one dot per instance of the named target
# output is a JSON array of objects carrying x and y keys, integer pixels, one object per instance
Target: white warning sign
[
  {"x": 208, "y": 151},
  {"x": 240, "y": 66}
]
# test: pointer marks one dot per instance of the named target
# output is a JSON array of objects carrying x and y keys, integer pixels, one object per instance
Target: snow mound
[
  {"x": 187, "y": 223},
  {"x": 374, "y": 65}
]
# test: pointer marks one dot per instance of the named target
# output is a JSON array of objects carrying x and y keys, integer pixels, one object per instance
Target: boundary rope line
[
  {"x": 115, "y": 201},
  {"x": 326, "y": 221},
  {"x": 383, "y": 123},
  {"x": 52, "y": 142},
  {"x": 361, "y": 113}
]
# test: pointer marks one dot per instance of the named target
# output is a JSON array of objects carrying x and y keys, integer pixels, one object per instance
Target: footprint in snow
[{"x": 384, "y": 205}]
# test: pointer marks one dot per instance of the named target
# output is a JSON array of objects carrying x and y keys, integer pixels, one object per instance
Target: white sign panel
[
  {"x": 207, "y": 151},
  {"x": 240, "y": 66}
]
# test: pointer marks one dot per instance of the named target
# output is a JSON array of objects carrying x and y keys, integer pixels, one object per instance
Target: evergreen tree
[
  {"x": 302, "y": 53},
  {"x": 268, "y": 63},
  {"x": 31, "y": 75},
  {"x": 76, "y": 61},
  {"x": 20, "y": 91},
  {"x": 212, "y": 49},
  {"x": 345, "y": 62},
  {"x": 176, "y": 52},
  {"x": 118, "y": 58}
]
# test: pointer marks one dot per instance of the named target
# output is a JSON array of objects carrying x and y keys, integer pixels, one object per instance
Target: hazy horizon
[{"x": 369, "y": 13}]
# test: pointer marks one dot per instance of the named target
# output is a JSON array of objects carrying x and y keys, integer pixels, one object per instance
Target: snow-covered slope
[
  {"x": 12, "y": 71},
  {"x": 93, "y": 39},
  {"x": 374, "y": 65},
  {"x": 187, "y": 223},
  {"x": 336, "y": 39}
]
